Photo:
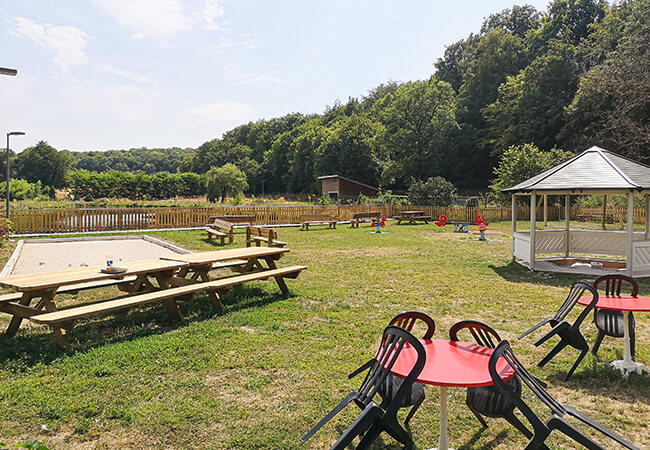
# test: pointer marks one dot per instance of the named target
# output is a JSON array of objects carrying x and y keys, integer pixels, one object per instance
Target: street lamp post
[{"x": 13, "y": 133}]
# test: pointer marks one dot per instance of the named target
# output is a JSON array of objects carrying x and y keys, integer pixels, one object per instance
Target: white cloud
[
  {"x": 212, "y": 10},
  {"x": 224, "y": 111},
  {"x": 159, "y": 20},
  {"x": 162, "y": 20},
  {"x": 240, "y": 76},
  {"x": 67, "y": 43},
  {"x": 122, "y": 73}
]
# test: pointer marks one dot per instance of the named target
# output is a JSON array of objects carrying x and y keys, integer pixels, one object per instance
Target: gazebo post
[
  {"x": 533, "y": 218},
  {"x": 567, "y": 237},
  {"x": 629, "y": 256},
  {"x": 545, "y": 211},
  {"x": 647, "y": 216},
  {"x": 513, "y": 213}
]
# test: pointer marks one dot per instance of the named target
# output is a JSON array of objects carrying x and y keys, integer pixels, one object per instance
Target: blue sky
[{"x": 119, "y": 74}]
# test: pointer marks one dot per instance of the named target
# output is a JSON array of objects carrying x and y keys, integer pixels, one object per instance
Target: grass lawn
[{"x": 264, "y": 370}]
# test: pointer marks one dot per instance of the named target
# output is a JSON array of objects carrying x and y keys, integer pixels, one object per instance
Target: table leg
[
  {"x": 627, "y": 365},
  {"x": 16, "y": 320},
  {"x": 281, "y": 284},
  {"x": 443, "y": 443}
]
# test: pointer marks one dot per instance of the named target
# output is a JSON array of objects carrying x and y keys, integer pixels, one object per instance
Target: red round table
[
  {"x": 625, "y": 304},
  {"x": 450, "y": 364}
]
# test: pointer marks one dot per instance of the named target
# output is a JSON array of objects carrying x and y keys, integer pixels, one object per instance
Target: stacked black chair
[
  {"x": 557, "y": 421},
  {"x": 488, "y": 400},
  {"x": 569, "y": 334},
  {"x": 612, "y": 323},
  {"x": 374, "y": 419},
  {"x": 391, "y": 385}
]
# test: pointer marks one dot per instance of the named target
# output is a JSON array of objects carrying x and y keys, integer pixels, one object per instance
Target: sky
[{"x": 120, "y": 74}]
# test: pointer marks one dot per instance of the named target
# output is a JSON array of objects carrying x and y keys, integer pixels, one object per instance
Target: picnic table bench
[
  {"x": 317, "y": 219},
  {"x": 259, "y": 235},
  {"x": 358, "y": 217},
  {"x": 176, "y": 277},
  {"x": 412, "y": 217},
  {"x": 242, "y": 219},
  {"x": 220, "y": 229}
]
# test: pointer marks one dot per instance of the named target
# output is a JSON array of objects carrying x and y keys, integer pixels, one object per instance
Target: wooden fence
[{"x": 32, "y": 221}]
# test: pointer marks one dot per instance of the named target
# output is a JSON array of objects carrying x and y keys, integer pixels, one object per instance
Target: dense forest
[{"x": 575, "y": 75}]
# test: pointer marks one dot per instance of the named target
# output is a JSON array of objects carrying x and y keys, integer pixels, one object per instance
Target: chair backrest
[
  {"x": 578, "y": 289},
  {"x": 483, "y": 334},
  {"x": 614, "y": 283},
  {"x": 408, "y": 319},
  {"x": 503, "y": 350},
  {"x": 393, "y": 342}
]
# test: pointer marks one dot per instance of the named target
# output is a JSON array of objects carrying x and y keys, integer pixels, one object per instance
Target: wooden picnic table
[
  {"x": 44, "y": 286},
  {"x": 413, "y": 217},
  {"x": 242, "y": 260}
]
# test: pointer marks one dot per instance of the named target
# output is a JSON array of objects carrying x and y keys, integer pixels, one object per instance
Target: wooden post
[
  {"x": 567, "y": 233},
  {"x": 604, "y": 209},
  {"x": 647, "y": 216},
  {"x": 629, "y": 254},
  {"x": 513, "y": 212},
  {"x": 545, "y": 211},
  {"x": 533, "y": 219}
]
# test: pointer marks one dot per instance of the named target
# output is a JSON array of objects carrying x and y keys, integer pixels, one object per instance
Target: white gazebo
[{"x": 594, "y": 171}]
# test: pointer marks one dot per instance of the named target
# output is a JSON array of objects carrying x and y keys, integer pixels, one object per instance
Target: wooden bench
[
  {"x": 220, "y": 229},
  {"x": 259, "y": 235},
  {"x": 317, "y": 219},
  {"x": 243, "y": 219},
  {"x": 58, "y": 319},
  {"x": 73, "y": 288},
  {"x": 357, "y": 218}
]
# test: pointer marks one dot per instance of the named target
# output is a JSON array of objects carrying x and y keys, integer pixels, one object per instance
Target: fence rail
[{"x": 33, "y": 221}]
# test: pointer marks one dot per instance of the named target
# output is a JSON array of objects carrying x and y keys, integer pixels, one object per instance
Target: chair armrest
[
  {"x": 555, "y": 330},
  {"x": 592, "y": 423},
  {"x": 367, "y": 365},
  {"x": 526, "y": 333}
]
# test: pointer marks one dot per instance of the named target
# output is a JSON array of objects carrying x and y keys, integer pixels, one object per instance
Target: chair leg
[
  {"x": 537, "y": 441},
  {"x": 632, "y": 340},
  {"x": 342, "y": 404},
  {"x": 413, "y": 411},
  {"x": 515, "y": 422},
  {"x": 476, "y": 413},
  {"x": 583, "y": 353},
  {"x": 360, "y": 425},
  {"x": 557, "y": 349},
  {"x": 597, "y": 342}
]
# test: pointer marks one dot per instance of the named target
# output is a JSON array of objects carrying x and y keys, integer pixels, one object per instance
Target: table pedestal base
[
  {"x": 628, "y": 367},
  {"x": 443, "y": 443}
]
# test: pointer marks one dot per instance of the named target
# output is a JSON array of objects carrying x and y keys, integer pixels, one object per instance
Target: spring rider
[
  {"x": 380, "y": 224},
  {"x": 482, "y": 226}
]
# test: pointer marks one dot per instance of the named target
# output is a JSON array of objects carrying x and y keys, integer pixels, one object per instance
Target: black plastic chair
[
  {"x": 374, "y": 419},
  {"x": 415, "y": 397},
  {"x": 541, "y": 430},
  {"x": 488, "y": 400},
  {"x": 569, "y": 334},
  {"x": 612, "y": 323}
]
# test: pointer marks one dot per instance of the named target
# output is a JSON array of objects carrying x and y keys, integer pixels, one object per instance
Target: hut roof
[{"x": 593, "y": 170}]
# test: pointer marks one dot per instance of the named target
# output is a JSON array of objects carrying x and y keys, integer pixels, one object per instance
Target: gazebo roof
[{"x": 594, "y": 170}]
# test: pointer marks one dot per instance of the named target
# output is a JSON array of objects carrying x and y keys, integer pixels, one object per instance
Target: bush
[{"x": 435, "y": 191}]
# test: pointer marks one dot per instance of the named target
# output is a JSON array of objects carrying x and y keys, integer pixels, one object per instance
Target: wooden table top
[
  {"x": 412, "y": 213},
  {"x": 44, "y": 280},
  {"x": 225, "y": 255}
]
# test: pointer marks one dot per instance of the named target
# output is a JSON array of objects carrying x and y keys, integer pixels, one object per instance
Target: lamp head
[
  {"x": 16, "y": 133},
  {"x": 10, "y": 72}
]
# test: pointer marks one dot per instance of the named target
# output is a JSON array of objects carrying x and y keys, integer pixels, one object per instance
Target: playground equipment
[
  {"x": 463, "y": 227},
  {"x": 482, "y": 226},
  {"x": 381, "y": 223}
]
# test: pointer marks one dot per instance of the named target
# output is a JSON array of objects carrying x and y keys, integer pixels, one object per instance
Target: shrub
[{"x": 435, "y": 191}]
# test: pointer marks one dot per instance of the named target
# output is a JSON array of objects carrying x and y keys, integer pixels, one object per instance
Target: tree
[
  {"x": 224, "y": 181},
  {"x": 417, "y": 123},
  {"x": 436, "y": 191},
  {"x": 43, "y": 163},
  {"x": 521, "y": 162},
  {"x": 612, "y": 105}
]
